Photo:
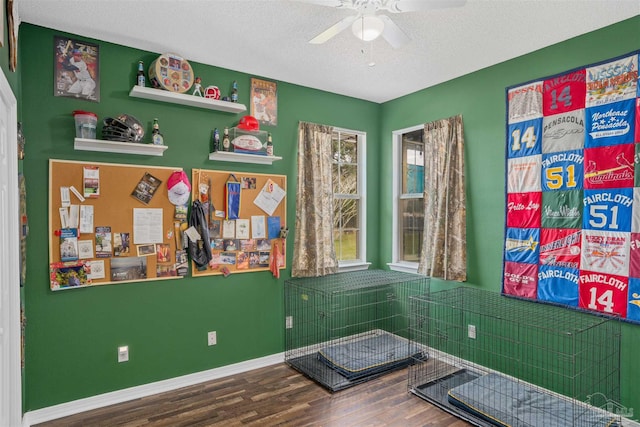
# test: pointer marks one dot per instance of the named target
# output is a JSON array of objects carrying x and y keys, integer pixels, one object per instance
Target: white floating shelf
[
  {"x": 118, "y": 147},
  {"x": 184, "y": 99},
  {"x": 224, "y": 156}
]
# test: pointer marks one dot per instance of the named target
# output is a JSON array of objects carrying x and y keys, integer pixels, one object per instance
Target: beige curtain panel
[
  {"x": 313, "y": 251},
  {"x": 444, "y": 247}
]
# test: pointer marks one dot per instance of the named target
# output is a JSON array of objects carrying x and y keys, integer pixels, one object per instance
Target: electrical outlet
[
  {"x": 212, "y": 338},
  {"x": 471, "y": 331},
  {"x": 288, "y": 322},
  {"x": 123, "y": 353}
]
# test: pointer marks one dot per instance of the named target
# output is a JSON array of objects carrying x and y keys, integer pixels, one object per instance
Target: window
[
  {"x": 408, "y": 196},
  {"x": 348, "y": 172}
]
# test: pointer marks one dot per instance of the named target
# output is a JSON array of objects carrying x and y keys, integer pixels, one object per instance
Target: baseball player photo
[
  {"x": 264, "y": 101},
  {"x": 76, "y": 73}
]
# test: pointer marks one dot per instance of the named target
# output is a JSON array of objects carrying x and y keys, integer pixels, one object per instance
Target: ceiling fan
[{"x": 367, "y": 24}]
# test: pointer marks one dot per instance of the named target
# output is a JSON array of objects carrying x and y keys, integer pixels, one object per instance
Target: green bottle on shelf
[
  {"x": 216, "y": 140},
  {"x": 226, "y": 142},
  {"x": 234, "y": 91},
  {"x": 269, "y": 145},
  {"x": 156, "y": 136},
  {"x": 141, "y": 79}
]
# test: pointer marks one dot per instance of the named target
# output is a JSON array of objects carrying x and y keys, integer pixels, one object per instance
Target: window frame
[
  {"x": 360, "y": 263},
  {"x": 396, "y": 158}
]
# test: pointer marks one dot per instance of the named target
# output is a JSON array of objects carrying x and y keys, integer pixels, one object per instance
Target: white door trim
[{"x": 10, "y": 371}]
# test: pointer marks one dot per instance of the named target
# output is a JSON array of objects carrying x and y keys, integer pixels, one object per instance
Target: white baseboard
[{"x": 106, "y": 399}]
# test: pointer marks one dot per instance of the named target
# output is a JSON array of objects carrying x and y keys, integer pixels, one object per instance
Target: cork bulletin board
[
  {"x": 110, "y": 223},
  {"x": 244, "y": 234}
]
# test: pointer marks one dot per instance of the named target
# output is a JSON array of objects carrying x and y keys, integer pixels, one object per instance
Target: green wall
[
  {"x": 480, "y": 98},
  {"x": 72, "y": 336}
]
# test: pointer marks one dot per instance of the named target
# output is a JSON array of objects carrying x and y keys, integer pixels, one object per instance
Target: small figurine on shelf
[
  {"x": 216, "y": 140},
  {"x": 141, "y": 79},
  {"x": 234, "y": 91},
  {"x": 226, "y": 143},
  {"x": 269, "y": 145},
  {"x": 156, "y": 136},
  {"x": 197, "y": 86}
]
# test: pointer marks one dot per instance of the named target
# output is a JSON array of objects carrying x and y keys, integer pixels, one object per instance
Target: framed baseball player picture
[
  {"x": 264, "y": 101},
  {"x": 77, "y": 71}
]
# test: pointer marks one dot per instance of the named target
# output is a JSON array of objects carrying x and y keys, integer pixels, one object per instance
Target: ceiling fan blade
[
  {"x": 417, "y": 5},
  {"x": 392, "y": 33},
  {"x": 329, "y": 3},
  {"x": 334, "y": 30}
]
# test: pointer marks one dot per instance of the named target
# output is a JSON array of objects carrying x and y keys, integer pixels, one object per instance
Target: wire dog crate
[
  {"x": 346, "y": 328},
  {"x": 502, "y": 361}
]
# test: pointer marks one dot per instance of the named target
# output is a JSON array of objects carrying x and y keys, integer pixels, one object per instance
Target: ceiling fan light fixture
[{"x": 367, "y": 28}]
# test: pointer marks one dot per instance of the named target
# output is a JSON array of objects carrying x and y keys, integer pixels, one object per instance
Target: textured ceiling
[{"x": 269, "y": 38}]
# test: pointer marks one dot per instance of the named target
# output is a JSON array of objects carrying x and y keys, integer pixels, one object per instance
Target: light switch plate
[
  {"x": 212, "y": 338},
  {"x": 123, "y": 353},
  {"x": 471, "y": 331}
]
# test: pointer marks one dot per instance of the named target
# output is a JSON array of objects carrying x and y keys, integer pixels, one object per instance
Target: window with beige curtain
[
  {"x": 410, "y": 199},
  {"x": 444, "y": 244},
  {"x": 313, "y": 249},
  {"x": 349, "y": 188}
]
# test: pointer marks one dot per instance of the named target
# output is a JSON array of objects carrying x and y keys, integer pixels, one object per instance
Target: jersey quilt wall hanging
[{"x": 572, "y": 233}]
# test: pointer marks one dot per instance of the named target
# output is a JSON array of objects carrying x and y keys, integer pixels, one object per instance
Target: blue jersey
[
  {"x": 608, "y": 210},
  {"x": 525, "y": 138},
  {"x": 522, "y": 245},
  {"x": 563, "y": 170}
]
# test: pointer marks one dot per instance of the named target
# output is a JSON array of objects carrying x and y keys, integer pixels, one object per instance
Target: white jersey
[
  {"x": 84, "y": 83},
  {"x": 82, "y": 72}
]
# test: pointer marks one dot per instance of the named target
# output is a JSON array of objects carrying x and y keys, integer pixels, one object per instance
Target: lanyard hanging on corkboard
[{"x": 248, "y": 243}]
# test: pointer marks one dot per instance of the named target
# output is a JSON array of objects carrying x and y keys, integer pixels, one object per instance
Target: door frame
[{"x": 10, "y": 369}]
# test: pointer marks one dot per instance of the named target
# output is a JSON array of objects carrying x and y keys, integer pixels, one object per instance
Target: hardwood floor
[{"x": 273, "y": 396}]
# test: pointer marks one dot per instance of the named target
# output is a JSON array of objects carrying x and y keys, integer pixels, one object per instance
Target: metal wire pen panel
[
  {"x": 346, "y": 328},
  {"x": 502, "y": 361}
]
